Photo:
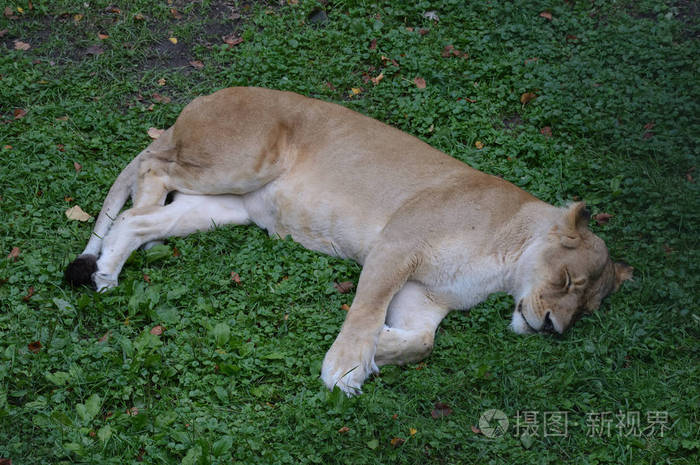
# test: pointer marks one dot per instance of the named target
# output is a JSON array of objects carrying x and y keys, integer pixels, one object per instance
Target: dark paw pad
[{"x": 79, "y": 271}]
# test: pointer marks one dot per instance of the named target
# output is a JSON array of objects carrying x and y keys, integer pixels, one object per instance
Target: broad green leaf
[
  {"x": 59, "y": 378},
  {"x": 104, "y": 433},
  {"x": 222, "y": 446},
  {"x": 221, "y": 333}
]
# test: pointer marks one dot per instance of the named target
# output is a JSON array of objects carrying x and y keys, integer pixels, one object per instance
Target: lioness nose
[{"x": 547, "y": 327}]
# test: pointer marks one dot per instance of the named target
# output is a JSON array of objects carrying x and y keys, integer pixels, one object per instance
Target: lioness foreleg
[
  {"x": 185, "y": 215},
  {"x": 350, "y": 360},
  {"x": 409, "y": 331}
]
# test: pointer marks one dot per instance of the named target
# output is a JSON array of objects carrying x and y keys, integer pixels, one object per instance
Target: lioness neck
[{"x": 494, "y": 260}]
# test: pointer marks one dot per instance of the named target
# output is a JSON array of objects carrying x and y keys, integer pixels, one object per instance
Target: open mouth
[{"x": 520, "y": 310}]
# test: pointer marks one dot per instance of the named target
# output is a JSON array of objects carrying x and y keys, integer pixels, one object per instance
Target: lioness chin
[{"x": 432, "y": 233}]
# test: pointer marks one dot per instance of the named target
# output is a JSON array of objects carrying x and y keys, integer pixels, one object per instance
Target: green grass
[{"x": 235, "y": 376}]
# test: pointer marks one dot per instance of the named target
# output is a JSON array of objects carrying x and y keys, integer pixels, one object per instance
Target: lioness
[{"x": 432, "y": 233}]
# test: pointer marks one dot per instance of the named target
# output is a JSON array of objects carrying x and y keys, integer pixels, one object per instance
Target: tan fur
[{"x": 432, "y": 233}]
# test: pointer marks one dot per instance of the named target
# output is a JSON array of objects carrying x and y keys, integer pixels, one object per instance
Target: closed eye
[{"x": 567, "y": 280}]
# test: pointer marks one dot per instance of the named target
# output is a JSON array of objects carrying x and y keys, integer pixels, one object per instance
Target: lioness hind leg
[
  {"x": 409, "y": 331},
  {"x": 185, "y": 215}
]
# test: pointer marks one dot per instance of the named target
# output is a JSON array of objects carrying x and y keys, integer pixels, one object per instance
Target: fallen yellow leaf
[
  {"x": 173, "y": 40},
  {"x": 77, "y": 213},
  {"x": 412, "y": 431},
  {"x": 161, "y": 81},
  {"x": 155, "y": 133},
  {"x": 19, "y": 45},
  {"x": 355, "y": 91},
  {"x": 479, "y": 145},
  {"x": 77, "y": 17}
]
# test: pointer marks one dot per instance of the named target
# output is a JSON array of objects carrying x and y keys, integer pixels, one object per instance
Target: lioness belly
[{"x": 319, "y": 221}]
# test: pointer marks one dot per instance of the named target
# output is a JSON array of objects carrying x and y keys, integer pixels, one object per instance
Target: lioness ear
[
  {"x": 578, "y": 216},
  {"x": 575, "y": 219},
  {"x": 623, "y": 272}
]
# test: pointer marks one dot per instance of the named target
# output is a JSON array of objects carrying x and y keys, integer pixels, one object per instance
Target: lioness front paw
[{"x": 348, "y": 367}]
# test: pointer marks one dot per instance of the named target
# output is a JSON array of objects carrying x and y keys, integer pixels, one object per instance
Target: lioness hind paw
[{"x": 79, "y": 272}]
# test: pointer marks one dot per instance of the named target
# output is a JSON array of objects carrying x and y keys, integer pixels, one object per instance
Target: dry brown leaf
[
  {"x": 197, "y": 64},
  {"x": 531, "y": 60},
  {"x": 19, "y": 113},
  {"x": 155, "y": 133},
  {"x": 77, "y": 213},
  {"x": 161, "y": 81},
  {"x": 77, "y": 18},
  {"x": 132, "y": 411},
  {"x": 526, "y": 97},
  {"x": 441, "y": 410},
  {"x": 232, "y": 40},
  {"x": 161, "y": 98},
  {"x": 479, "y": 145},
  {"x": 34, "y": 347},
  {"x": 373, "y": 44},
  {"x": 175, "y": 14},
  {"x": 113, "y": 9},
  {"x": 649, "y": 126},
  {"x": 423, "y": 31},
  {"x": 451, "y": 51},
  {"x": 8, "y": 12},
  {"x": 395, "y": 416},
  {"x": 390, "y": 60},
  {"x": 546, "y": 15},
  {"x": 344, "y": 287},
  {"x": 102, "y": 36},
  {"x": 157, "y": 330},
  {"x": 105, "y": 337},
  {"x": 546, "y": 131},
  {"x": 475, "y": 430},
  {"x": 7, "y": 146},
  {"x": 94, "y": 50},
  {"x": 396, "y": 442},
  {"x": 77, "y": 166},
  {"x": 235, "y": 277},
  {"x": 147, "y": 278},
  {"x": 648, "y": 135},
  {"x": 176, "y": 252},
  {"x": 419, "y": 82},
  {"x": 19, "y": 45},
  {"x": 343, "y": 430},
  {"x": 30, "y": 293},
  {"x": 602, "y": 218},
  {"x": 345, "y": 307},
  {"x": 376, "y": 80},
  {"x": 3, "y": 32},
  {"x": 14, "y": 254},
  {"x": 62, "y": 118},
  {"x": 139, "y": 17}
]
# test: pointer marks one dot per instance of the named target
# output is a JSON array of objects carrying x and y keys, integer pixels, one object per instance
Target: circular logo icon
[{"x": 493, "y": 423}]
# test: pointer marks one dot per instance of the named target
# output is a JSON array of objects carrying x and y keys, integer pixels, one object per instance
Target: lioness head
[{"x": 571, "y": 274}]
